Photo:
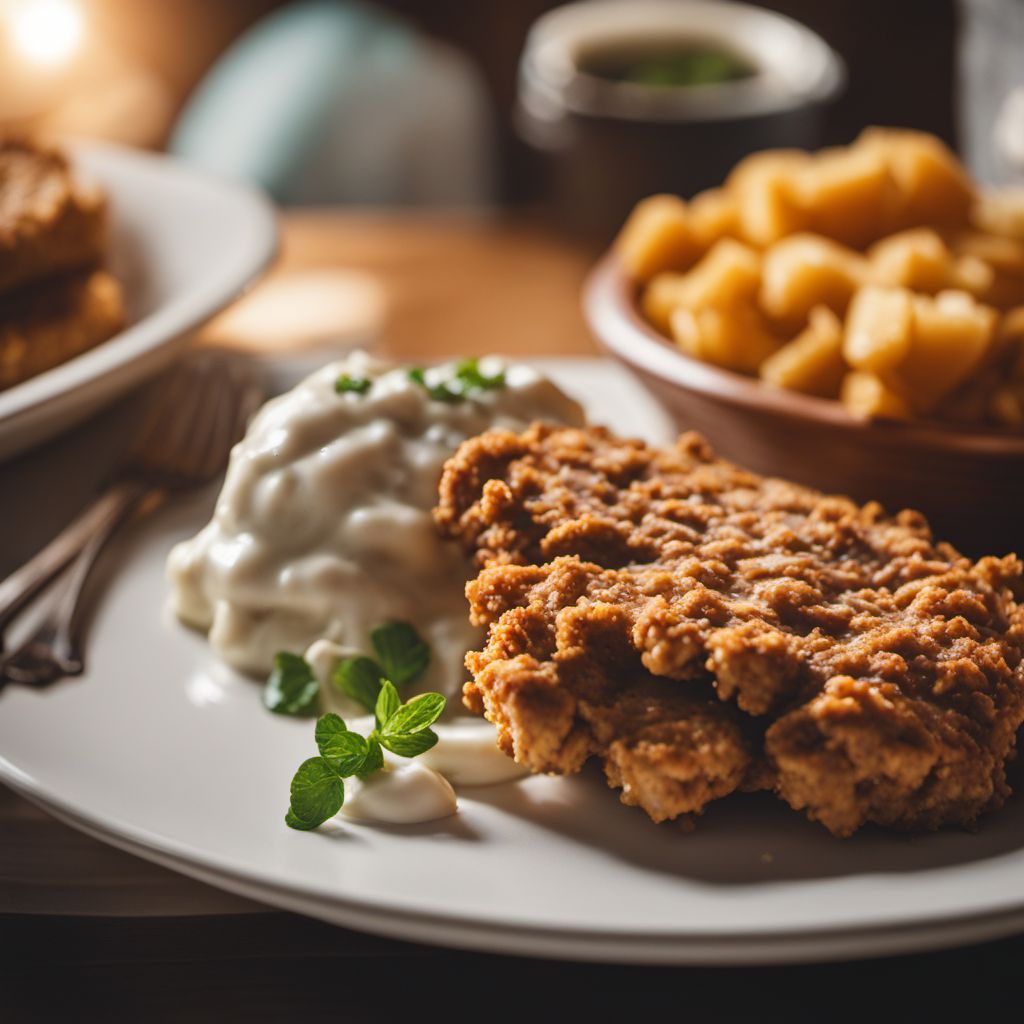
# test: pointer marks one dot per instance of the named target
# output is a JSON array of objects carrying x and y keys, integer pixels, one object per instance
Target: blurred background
[{"x": 434, "y": 104}]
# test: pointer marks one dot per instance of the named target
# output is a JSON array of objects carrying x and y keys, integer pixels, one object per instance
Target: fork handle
[
  {"x": 19, "y": 589},
  {"x": 55, "y": 648}
]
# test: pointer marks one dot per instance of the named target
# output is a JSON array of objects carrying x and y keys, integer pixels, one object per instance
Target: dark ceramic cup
[{"x": 609, "y": 143}]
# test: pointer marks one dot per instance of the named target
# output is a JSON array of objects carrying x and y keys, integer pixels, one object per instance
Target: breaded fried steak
[
  {"x": 49, "y": 223},
  {"x": 883, "y": 669},
  {"x": 49, "y": 323}
]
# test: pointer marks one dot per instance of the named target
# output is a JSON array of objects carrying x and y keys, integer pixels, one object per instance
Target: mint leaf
[
  {"x": 317, "y": 794},
  {"x": 291, "y": 688},
  {"x": 359, "y": 678},
  {"x": 403, "y": 653},
  {"x": 415, "y": 715},
  {"x": 388, "y": 702},
  {"x": 297, "y": 823},
  {"x": 358, "y": 385},
  {"x": 409, "y": 744},
  {"x": 318, "y": 787},
  {"x": 374, "y": 758},
  {"x": 345, "y": 751}
]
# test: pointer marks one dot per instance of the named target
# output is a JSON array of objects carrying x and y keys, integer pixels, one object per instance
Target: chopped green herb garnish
[
  {"x": 291, "y": 689},
  {"x": 467, "y": 379},
  {"x": 468, "y": 372},
  {"x": 346, "y": 382},
  {"x": 318, "y": 787},
  {"x": 440, "y": 392}
]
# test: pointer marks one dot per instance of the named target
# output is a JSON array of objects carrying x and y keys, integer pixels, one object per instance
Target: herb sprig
[
  {"x": 466, "y": 380},
  {"x": 318, "y": 787},
  {"x": 402, "y": 656}
]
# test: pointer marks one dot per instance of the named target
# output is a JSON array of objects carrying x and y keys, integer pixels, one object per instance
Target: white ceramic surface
[
  {"x": 184, "y": 244},
  {"x": 161, "y": 751}
]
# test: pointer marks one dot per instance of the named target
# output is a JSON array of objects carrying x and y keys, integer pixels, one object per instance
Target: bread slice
[
  {"x": 50, "y": 222},
  {"x": 55, "y": 320}
]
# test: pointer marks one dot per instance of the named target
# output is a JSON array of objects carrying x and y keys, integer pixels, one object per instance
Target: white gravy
[{"x": 323, "y": 528}]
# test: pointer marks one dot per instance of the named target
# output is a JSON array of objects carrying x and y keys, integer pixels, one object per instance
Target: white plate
[
  {"x": 163, "y": 752},
  {"x": 184, "y": 245}
]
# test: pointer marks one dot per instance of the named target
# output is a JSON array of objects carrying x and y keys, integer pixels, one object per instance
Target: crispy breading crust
[
  {"x": 48, "y": 324},
  {"x": 49, "y": 223},
  {"x": 886, "y": 667},
  {"x": 562, "y": 684}
]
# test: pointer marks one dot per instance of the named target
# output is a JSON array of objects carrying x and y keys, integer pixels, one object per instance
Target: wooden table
[
  {"x": 433, "y": 286},
  {"x": 88, "y": 932}
]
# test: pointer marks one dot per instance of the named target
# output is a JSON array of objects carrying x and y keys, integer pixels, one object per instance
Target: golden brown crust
[
  {"x": 887, "y": 665},
  {"x": 52, "y": 322},
  {"x": 562, "y": 684},
  {"x": 49, "y": 223}
]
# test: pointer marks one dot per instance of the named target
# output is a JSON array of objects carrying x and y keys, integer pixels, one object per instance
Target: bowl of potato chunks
[{"x": 852, "y": 319}]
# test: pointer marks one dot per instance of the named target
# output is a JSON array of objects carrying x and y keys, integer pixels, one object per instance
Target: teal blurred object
[{"x": 329, "y": 102}]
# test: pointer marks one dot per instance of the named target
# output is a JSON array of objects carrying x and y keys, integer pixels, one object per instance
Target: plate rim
[{"x": 768, "y": 947}]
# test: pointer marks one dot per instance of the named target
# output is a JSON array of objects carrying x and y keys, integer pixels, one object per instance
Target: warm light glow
[{"x": 46, "y": 31}]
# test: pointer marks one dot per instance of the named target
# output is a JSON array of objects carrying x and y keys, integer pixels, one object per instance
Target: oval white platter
[
  {"x": 161, "y": 751},
  {"x": 184, "y": 244}
]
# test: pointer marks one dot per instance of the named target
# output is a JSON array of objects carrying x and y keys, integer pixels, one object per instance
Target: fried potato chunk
[
  {"x": 804, "y": 271},
  {"x": 735, "y": 339},
  {"x": 917, "y": 259},
  {"x": 878, "y": 328},
  {"x": 657, "y": 237},
  {"x": 714, "y": 215},
  {"x": 1004, "y": 258},
  {"x": 728, "y": 275},
  {"x": 1000, "y": 212},
  {"x": 869, "y": 397},
  {"x": 932, "y": 184},
  {"x": 950, "y": 336},
  {"x": 847, "y": 194},
  {"x": 813, "y": 361},
  {"x": 764, "y": 185}
]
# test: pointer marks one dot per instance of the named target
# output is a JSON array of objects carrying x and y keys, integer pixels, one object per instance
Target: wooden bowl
[{"x": 969, "y": 482}]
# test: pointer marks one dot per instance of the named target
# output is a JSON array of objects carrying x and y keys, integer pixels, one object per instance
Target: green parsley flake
[
  {"x": 347, "y": 383},
  {"x": 467, "y": 380}
]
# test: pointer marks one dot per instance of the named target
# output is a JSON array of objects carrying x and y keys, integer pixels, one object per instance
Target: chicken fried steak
[
  {"x": 562, "y": 683},
  {"x": 885, "y": 668}
]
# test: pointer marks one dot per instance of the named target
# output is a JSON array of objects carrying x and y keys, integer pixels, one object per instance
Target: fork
[{"x": 199, "y": 413}]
